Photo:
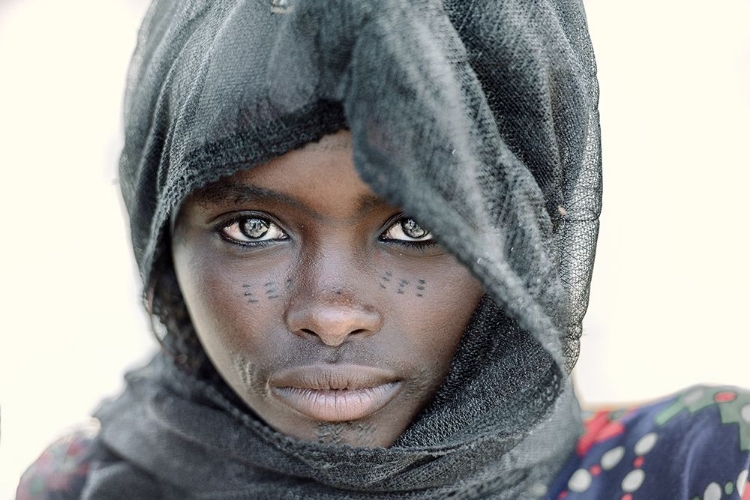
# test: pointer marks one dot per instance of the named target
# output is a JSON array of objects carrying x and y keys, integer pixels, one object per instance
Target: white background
[{"x": 670, "y": 293}]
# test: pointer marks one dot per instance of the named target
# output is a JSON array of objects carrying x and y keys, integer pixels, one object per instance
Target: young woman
[{"x": 366, "y": 233}]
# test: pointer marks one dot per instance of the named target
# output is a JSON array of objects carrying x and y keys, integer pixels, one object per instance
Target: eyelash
[
  {"x": 416, "y": 243},
  {"x": 223, "y": 226}
]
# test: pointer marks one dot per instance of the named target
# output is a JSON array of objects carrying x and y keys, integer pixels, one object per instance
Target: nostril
[{"x": 312, "y": 332}]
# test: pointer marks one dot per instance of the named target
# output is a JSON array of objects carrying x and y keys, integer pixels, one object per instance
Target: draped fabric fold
[{"x": 478, "y": 118}]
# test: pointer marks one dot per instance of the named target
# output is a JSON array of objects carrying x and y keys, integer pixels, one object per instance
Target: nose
[{"x": 333, "y": 318}]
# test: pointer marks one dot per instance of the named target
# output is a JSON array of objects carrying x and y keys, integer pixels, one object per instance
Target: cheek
[
  {"x": 234, "y": 307},
  {"x": 434, "y": 305}
]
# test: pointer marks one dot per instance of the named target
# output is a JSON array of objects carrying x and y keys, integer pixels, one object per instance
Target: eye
[
  {"x": 407, "y": 230},
  {"x": 253, "y": 230}
]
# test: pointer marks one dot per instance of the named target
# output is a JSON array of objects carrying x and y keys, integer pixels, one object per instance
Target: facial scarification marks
[
  {"x": 365, "y": 434},
  {"x": 244, "y": 368},
  {"x": 271, "y": 291},
  {"x": 385, "y": 279},
  {"x": 403, "y": 286},
  {"x": 251, "y": 298},
  {"x": 330, "y": 433},
  {"x": 362, "y": 434},
  {"x": 418, "y": 385}
]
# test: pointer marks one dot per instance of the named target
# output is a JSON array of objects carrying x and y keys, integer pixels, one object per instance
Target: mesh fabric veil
[{"x": 479, "y": 119}]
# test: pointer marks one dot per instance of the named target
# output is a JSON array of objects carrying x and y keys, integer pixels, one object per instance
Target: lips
[{"x": 335, "y": 393}]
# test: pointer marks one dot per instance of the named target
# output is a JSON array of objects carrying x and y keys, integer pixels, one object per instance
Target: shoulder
[
  {"x": 61, "y": 470},
  {"x": 693, "y": 445}
]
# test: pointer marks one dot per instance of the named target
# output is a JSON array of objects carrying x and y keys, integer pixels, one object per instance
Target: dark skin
[{"x": 295, "y": 266}]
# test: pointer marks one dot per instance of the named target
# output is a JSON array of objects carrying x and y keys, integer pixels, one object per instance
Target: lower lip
[{"x": 338, "y": 405}]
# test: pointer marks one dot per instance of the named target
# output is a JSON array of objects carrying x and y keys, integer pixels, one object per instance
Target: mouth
[{"x": 335, "y": 393}]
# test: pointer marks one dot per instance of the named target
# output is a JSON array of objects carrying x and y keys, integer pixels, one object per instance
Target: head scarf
[{"x": 480, "y": 120}]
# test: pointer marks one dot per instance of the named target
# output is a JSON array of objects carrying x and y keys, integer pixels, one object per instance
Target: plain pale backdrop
[{"x": 670, "y": 293}]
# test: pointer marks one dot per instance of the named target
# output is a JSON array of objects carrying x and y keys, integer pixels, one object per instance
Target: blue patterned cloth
[{"x": 693, "y": 446}]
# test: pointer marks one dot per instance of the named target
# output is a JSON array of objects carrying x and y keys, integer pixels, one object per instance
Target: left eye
[
  {"x": 407, "y": 229},
  {"x": 252, "y": 230}
]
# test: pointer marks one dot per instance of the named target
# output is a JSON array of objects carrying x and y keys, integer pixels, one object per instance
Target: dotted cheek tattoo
[
  {"x": 420, "y": 287},
  {"x": 385, "y": 279},
  {"x": 270, "y": 291},
  {"x": 402, "y": 285},
  {"x": 248, "y": 292}
]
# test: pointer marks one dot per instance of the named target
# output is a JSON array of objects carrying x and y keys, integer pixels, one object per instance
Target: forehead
[{"x": 319, "y": 178}]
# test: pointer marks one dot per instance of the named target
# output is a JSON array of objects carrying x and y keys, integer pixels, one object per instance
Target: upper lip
[{"x": 332, "y": 377}]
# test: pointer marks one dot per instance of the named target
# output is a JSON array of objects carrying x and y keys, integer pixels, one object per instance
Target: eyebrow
[{"x": 239, "y": 193}]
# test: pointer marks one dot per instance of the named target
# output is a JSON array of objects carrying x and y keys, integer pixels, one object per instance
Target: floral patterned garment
[
  {"x": 693, "y": 446},
  {"x": 60, "y": 472}
]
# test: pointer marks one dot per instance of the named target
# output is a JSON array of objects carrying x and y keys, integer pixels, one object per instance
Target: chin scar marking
[
  {"x": 420, "y": 288},
  {"x": 249, "y": 294},
  {"x": 330, "y": 433},
  {"x": 335, "y": 433},
  {"x": 365, "y": 434},
  {"x": 401, "y": 284},
  {"x": 419, "y": 386},
  {"x": 245, "y": 370}
]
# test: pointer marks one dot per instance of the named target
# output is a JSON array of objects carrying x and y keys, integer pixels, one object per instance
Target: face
[{"x": 332, "y": 314}]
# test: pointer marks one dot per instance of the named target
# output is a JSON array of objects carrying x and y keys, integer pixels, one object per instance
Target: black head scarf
[{"x": 480, "y": 112}]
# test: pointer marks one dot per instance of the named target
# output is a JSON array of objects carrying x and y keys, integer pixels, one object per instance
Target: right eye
[{"x": 253, "y": 230}]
